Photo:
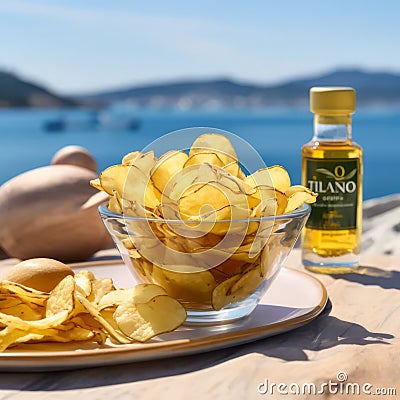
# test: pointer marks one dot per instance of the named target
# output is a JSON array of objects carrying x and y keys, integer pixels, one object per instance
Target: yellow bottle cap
[{"x": 333, "y": 104}]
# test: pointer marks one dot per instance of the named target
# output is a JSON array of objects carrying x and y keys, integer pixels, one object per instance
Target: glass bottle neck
[{"x": 334, "y": 132}]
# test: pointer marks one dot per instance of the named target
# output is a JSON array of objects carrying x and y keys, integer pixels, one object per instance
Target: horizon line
[{"x": 194, "y": 79}]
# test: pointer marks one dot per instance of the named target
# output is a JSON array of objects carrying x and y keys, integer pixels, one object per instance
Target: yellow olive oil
[{"x": 332, "y": 166}]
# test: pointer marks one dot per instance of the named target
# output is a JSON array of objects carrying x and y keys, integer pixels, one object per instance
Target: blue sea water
[{"x": 276, "y": 134}]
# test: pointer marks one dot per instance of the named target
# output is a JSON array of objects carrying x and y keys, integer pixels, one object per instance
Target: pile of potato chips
[
  {"x": 201, "y": 228},
  {"x": 83, "y": 308}
]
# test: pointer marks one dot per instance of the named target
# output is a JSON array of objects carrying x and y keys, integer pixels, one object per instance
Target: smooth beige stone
[
  {"x": 52, "y": 212},
  {"x": 42, "y": 274},
  {"x": 75, "y": 155}
]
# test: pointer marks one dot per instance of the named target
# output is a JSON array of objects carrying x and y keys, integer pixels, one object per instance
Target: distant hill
[
  {"x": 378, "y": 88},
  {"x": 16, "y": 92},
  {"x": 373, "y": 88}
]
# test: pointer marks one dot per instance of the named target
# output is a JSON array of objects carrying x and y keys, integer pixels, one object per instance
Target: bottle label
[{"x": 336, "y": 182}]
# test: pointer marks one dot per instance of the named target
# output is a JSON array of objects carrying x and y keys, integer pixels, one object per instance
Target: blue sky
[{"x": 78, "y": 46}]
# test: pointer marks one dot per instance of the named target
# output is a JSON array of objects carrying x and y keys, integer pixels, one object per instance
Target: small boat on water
[
  {"x": 54, "y": 125},
  {"x": 93, "y": 120}
]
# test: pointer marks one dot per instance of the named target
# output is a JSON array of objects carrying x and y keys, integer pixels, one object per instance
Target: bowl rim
[{"x": 301, "y": 211}]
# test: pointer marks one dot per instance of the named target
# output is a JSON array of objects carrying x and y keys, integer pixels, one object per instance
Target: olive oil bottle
[{"x": 332, "y": 166}]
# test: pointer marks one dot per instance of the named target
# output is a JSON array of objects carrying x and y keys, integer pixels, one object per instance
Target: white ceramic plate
[{"x": 294, "y": 299}]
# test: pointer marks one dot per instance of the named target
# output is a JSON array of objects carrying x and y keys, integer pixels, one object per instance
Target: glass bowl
[{"x": 219, "y": 272}]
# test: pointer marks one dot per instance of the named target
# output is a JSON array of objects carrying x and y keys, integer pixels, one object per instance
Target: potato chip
[
  {"x": 138, "y": 178},
  {"x": 282, "y": 202},
  {"x": 84, "y": 280},
  {"x": 75, "y": 334},
  {"x": 231, "y": 266},
  {"x": 87, "y": 322},
  {"x": 194, "y": 286},
  {"x": 96, "y": 184},
  {"x": 248, "y": 282},
  {"x": 132, "y": 208},
  {"x": 270, "y": 182},
  {"x": 179, "y": 183},
  {"x": 297, "y": 195},
  {"x": 280, "y": 177},
  {"x": 234, "y": 169},
  {"x": 237, "y": 288},
  {"x": 61, "y": 297},
  {"x": 225, "y": 203},
  {"x": 204, "y": 158},
  {"x": 115, "y": 297},
  {"x": 131, "y": 181},
  {"x": 167, "y": 166},
  {"x": 108, "y": 315},
  {"x": 213, "y": 187},
  {"x": 222, "y": 295},
  {"x": 92, "y": 310},
  {"x": 11, "y": 335},
  {"x": 100, "y": 287},
  {"x": 84, "y": 320},
  {"x": 44, "y": 323},
  {"x": 139, "y": 188},
  {"x": 23, "y": 311},
  {"x": 25, "y": 293},
  {"x": 113, "y": 178},
  {"x": 9, "y": 300},
  {"x": 129, "y": 158},
  {"x": 265, "y": 208},
  {"x": 215, "y": 143},
  {"x": 270, "y": 255},
  {"x": 143, "y": 321},
  {"x": 262, "y": 237},
  {"x": 143, "y": 267},
  {"x": 260, "y": 178},
  {"x": 144, "y": 163},
  {"x": 115, "y": 203},
  {"x": 141, "y": 293}
]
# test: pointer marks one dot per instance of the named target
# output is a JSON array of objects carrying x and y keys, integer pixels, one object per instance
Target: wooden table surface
[{"x": 357, "y": 336}]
